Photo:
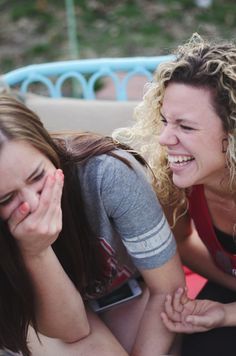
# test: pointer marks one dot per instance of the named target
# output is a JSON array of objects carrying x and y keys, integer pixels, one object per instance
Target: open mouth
[{"x": 180, "y": 160}]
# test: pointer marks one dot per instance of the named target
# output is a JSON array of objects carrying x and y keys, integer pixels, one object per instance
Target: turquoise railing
[{"x": 86, "y": 72}]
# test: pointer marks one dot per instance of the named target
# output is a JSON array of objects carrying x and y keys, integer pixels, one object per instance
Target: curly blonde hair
[{"x": 198, "y": 63}]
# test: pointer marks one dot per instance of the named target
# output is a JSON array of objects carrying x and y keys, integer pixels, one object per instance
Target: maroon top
[{"x": 200, "y": 214}]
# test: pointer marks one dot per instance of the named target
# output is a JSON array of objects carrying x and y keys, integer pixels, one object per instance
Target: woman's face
[
  {"x": 23, "y": 171},
  {"x": 192, "y": 133}
]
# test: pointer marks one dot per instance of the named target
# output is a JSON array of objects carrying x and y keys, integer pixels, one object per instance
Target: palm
[
  {"x": 210, "y": 311},
  {"x": 204, "y": 314}
]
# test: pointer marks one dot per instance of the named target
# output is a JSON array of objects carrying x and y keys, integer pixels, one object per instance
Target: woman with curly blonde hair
[{"x": 186, "y": 128}]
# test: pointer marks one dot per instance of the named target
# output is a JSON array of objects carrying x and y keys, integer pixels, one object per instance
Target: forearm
[
  {"x": 60, "y": 309},
  {"x": 153, "y": 338},
  {"x": 195, "y": 255},
  {"x": 230, "y": 314}
]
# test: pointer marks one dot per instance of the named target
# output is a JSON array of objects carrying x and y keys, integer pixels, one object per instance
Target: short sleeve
[{"x": 135, "y": 212}]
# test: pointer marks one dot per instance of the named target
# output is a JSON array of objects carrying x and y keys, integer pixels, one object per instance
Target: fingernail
[
  {"x": 24, "y": 208},
  {"x": 60, "y": 173}
]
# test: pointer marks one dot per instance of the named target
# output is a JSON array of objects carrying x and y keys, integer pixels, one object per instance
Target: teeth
[{"x": 179, "y": 159}]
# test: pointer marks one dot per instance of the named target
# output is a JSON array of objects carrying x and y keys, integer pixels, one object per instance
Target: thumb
[{"x": 199, "y": 320}]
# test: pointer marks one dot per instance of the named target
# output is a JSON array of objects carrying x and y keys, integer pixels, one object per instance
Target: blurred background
[{"x": 39, "y": 31}]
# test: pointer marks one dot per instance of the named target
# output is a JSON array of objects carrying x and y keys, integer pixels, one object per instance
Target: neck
[
  {"x": 221, "y": 193},
  {"x": 221, "y": 187}
]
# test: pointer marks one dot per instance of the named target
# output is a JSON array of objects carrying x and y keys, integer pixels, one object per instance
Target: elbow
[{"x": 77, "y": 334}]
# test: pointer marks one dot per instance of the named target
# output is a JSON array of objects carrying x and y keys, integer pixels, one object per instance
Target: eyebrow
[
  {"x": 2, "y": 198},
  {"x": 179, "y": 121}
]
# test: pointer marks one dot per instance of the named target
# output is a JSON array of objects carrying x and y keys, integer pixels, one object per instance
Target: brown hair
[{"x": 76, "y": 247}]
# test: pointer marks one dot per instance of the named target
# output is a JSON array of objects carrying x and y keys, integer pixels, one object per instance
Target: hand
[
  {"x": 36, "y": 231},
  {"x": 183, "y": 315}
]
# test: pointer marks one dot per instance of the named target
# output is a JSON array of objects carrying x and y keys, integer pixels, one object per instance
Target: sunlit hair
[{"x": 200, "y": 64}]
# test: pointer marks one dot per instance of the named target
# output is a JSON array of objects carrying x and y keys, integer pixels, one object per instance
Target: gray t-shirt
[{"x": 125, "y": 215}]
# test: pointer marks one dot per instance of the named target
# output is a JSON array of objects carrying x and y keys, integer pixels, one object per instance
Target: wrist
[
  {"x": 37, "y": 258},
  {"x": 229, "y": 314}
]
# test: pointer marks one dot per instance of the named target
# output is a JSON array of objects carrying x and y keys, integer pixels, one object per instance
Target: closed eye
[
  {"x": 187, "y": 128},
  {"x": 7, "y": 200},
  {"x": 38, "y": 177},
  {"x": 163, "y": 119}
]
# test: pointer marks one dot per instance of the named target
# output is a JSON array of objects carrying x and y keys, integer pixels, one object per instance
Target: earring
[{"x": 224, "y": 145}]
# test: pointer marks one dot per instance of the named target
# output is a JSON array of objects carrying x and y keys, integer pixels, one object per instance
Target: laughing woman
[
  {"x": 78, "y": 220},
  {"x": 186, "y": 128}
]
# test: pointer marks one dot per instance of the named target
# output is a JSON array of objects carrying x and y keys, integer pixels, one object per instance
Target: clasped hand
[
  {"x": 36, "y": 231},
  {"x": 183, "y": 315}
]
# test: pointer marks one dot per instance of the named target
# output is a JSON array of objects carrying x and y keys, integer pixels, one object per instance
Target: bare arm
[
  {"x": 196, "y": 256},
  {"x": 59, "y": 307},
  {"x": 153, "y": 338}
]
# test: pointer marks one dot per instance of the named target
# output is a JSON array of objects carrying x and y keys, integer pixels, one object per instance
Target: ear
[{"x": 224, "y": 143}]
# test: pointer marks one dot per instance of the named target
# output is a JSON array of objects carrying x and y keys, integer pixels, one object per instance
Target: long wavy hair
[
  {"x": 197, "y": 63},
  {"x": 76, "y": 247}
]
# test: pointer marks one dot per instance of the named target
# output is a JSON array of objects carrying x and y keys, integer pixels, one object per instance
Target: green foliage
[
  {"x": 39, "y": 49},
  {"x": 7, "y": 63},
  {"x": 29, "y": 9},
  {"x": 223, "y": 15},
  {"x": 107, "y": 28}
]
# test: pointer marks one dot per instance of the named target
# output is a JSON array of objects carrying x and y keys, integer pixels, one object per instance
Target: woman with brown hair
[{"x": 78, "y": 219}]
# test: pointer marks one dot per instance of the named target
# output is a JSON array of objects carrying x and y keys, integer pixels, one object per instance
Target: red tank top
[{"x": 200, "y": 214}]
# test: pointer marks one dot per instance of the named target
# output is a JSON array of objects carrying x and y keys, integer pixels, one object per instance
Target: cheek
[{"x": 6, "y": 211}]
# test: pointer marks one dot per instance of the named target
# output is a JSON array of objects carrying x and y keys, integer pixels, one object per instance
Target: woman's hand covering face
[{"x": 36, "y": 231}]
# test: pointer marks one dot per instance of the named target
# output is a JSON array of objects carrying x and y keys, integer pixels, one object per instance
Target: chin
[{"x": 181, "y": 183}]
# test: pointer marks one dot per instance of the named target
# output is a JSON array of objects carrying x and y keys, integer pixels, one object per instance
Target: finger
[
  {"x": 49, "y": 214},
  {"x": 50, "y": 195},
  {"x": 18, "y": 216},
  {"x": 204, "y": 321},
  {"x": 54, "y": 187},
  {"x": 54, "y": 209},
  {"x": 184, "y": 298},
  {"x": 170, "y": 311},
  {"x": 179, "y": 327},
  {"x": 177, "y": 300},
  {"x": 59, "y": 185},
  {"x": 170, "y": 324},
  {"x": 168, "y": 306}
]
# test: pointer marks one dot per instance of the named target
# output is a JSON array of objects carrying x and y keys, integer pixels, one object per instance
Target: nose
[
  {"x": 31, "y": 197},
  {"x": 168, "y": 136}
]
